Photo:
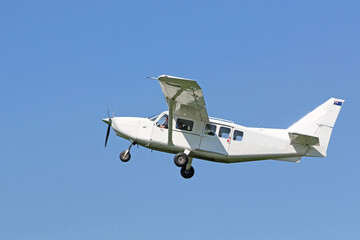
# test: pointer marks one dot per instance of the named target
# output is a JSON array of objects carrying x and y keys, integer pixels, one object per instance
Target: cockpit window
[
  {"x": 163, "y": 121},
  {"x": 153, "y": 118}
]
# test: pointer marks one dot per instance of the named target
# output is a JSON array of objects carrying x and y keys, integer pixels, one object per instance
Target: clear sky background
[{"x": 63, "y": 64}]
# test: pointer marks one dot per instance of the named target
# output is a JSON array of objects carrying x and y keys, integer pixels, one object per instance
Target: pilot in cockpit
[{"x": 164, "y": 122}]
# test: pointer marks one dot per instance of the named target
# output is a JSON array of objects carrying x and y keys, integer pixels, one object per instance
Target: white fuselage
[{"x": 228, "y": 142}]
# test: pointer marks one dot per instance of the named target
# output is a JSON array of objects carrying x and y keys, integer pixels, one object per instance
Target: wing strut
[{"x": 170, "y": 121}]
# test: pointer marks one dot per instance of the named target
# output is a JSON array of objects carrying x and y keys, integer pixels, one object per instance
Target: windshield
[{"x": 153, "y": 118}]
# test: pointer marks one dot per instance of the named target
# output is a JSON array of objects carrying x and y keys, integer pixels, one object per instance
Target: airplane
[{"x": 187, "y": 131}]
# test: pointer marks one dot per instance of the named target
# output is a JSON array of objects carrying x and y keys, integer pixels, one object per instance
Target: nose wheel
[{"x": 125, "y": 155}]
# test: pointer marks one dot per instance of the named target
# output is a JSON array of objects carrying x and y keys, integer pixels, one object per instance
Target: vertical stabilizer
[{"x": 319, "y": 123}]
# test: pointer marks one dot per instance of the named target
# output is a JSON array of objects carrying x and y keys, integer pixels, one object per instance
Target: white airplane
[{"x": 187, "y": 131}]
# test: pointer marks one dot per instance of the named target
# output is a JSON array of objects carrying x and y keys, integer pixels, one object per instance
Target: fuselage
[{"x": 217, "y": 140}]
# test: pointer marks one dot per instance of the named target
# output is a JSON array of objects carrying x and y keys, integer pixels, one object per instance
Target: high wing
[{"x": 184, "y": 98}]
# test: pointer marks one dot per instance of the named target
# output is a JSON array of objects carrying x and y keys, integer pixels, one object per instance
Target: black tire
[
  {"x": 187, "y": 174},
  {"x": 123, "y": 157},
  {"x": 181, "y": 159}
]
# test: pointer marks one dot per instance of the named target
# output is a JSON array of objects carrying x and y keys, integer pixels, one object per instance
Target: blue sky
[{"x": 63, "y": 64}]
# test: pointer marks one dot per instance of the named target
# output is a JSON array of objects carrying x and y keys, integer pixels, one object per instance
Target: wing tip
[{"x": 173, "y": 77}]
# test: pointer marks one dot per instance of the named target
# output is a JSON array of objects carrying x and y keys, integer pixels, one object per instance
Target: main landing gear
[
  {"x": 125, "y": 155},
  {"x": 183, "y": 161}
]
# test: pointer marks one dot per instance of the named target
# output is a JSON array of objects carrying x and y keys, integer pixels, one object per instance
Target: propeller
[{"x": 109, "y": 122}]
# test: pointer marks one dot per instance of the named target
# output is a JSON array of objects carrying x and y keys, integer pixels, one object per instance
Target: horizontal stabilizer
[{"x": 303, "y": 139}]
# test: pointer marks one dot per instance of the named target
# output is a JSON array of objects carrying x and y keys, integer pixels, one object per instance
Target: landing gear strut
[{"x": 125, "y": 155}]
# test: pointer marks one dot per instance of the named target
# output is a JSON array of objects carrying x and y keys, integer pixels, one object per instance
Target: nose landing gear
[{"x": 125, "y": 155}]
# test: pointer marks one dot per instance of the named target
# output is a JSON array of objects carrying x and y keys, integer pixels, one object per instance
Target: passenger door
[{"x": 211, "y": 141}]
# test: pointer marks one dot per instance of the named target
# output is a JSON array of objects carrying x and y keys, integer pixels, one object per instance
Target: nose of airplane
[
  {"x": 126, "y": 127},
  {"x": 107, "y": 120}
]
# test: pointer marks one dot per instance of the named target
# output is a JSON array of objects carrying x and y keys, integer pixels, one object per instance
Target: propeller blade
[
  {"x": 108, "y": 121},
  {"x": 112, "y": 115},
  {"x": 107, "y": 134}
]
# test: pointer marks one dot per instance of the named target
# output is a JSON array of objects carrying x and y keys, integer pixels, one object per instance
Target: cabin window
[
  {"x": 224, "y": 132},
  {"x": 238, "y": 135},
  {"x": 163, "y": 122},
  {"x": 185, "y": 125},
  {"x": 210, "y": 129}
]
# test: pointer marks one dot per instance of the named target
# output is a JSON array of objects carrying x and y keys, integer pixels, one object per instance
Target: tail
[{"x": 319, "y": 123}]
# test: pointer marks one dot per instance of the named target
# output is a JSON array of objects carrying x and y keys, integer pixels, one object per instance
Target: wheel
[
  {"x": 124, "y": 157},
  {"x": 181, "y": 159},
  {"x": 187, "y": 174}
]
